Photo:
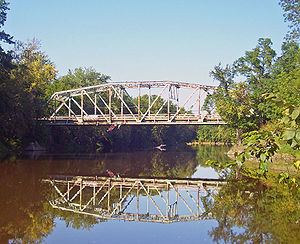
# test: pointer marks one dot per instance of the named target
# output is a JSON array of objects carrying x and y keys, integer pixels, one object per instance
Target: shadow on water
[{"x": 32, "y": 205}]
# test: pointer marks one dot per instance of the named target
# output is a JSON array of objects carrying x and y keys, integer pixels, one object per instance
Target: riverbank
[
  {"x": 282, "y": 161},
  {"x": 197, "y": 143}
]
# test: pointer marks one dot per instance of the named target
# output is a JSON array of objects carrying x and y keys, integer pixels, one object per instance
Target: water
[{"x": 156, "y": 209}]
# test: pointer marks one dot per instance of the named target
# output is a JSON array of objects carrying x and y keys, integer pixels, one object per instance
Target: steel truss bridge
[
  {"x": 133, "y": 199},
  {"x": 152, "y": 102}
]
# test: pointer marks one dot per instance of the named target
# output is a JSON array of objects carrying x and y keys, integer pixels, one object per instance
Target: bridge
[
  {"x": 132, "y": 103},
  {"x": 133, "y": 199}
]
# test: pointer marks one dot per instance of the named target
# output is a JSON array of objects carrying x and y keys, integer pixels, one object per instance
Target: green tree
[
  {"x": 36, "y": 72},
  {"x": 79, "y": 77},
  {"x": 257, "y": 64},
  {"x": 291, "y": 14},
  {"x": 5, "y": 58}
]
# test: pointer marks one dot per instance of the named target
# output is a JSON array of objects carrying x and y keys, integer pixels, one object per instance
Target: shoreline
[{"x": 196, "y": 143}]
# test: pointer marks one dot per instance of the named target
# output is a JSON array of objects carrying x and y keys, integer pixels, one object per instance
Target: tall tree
[
  {"x": 4, "y": 37},
  {"x": 223, "y": 75},
  {"x": 291, "y": 14},
  {"x": 79, "y": 77},
  {"x": 35, "y": 71},
  {"x": 257, "y": 63}
]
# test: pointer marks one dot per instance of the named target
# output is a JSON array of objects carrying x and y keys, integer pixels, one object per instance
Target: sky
[{"x": 180, "y": 40}]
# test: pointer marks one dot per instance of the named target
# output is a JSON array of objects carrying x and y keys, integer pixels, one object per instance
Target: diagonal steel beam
[
  {"x": 125, "y": 104},
  {"x": 145, "y": 114},
  {"x": 107, "y": 106},
  {"x": 186, "y": 101},
  {"x": 81, "y": 109},
  {"x": 96, "y": 106},
  {"x": 95, "y": 194}
]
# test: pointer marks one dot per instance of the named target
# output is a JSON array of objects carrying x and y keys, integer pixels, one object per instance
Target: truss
[
  {"x": 131, "y": 199},
  {"x": 167, "y": 102}
]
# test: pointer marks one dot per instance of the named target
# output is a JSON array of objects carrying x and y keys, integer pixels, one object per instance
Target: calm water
[{"x": 141, "y": 204}]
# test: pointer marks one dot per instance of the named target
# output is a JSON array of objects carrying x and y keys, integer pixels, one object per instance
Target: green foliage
[
  {"x": 22, "y": 93},
  {"x": 291, "y": 132},
  {"x": 262, "y": 213},
  {"x": 4, "y": 37},
  {"x": 236, "y": 107},
  {"x": 261, "y": 145},
  {"x": 214, "y": 134},
  {"x": 291, "y": 10},
  {"x": 265, "y": 104},
  {"x": 256, "y": 64},
  {"x": 224, "y": 75},
  {"x": 79, "y": 77}
]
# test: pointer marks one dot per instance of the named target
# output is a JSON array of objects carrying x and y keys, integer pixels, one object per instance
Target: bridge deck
[{"x": 162, "y": 119}]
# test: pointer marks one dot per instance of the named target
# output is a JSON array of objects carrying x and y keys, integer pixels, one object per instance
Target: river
[{"x": 139, "y": 197}]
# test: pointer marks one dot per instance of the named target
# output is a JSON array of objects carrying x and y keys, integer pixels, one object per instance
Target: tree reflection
[
  {"x": 247, "y": 211},
  {"x": 26, "y": 215},
  {"x": 22, "y": 205}
]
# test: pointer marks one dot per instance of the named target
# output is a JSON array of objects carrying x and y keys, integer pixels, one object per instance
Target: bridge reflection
[{"x": 134, "y": 199}]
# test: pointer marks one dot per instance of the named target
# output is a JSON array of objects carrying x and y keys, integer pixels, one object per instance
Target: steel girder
[{"x": 168, "y": 102}]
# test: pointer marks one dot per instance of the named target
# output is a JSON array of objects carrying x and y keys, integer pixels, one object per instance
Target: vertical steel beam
[
  {"x": 109, "y": 103},
  {"x": 198, "y": 200},
  {"x": 69, "y": 110},
  {"x": 94, "y": 195},
  {"x": 149, "y": 100},
  {"x": 169, "y": 93},
  {"x": 138, "y": 201},
  {"x": 199, "y": 104},
  {"x": 68, "y": 192},
  {"x": 81, "y": 104},
  {"x": 121, "y": 196},
  {"x": 55, "y": 108},
  {"x": 80, "y": 194},
  {"x": 139, "y": 101},
  {"x": 95, "y": 105},
  {"x": 108, "y": 196},
  {"x": 177, "y": 199},
  {"x": 177, "y": 98},
  {"x": 148, "y": 200},
  {"x": 121, "y": 103}
]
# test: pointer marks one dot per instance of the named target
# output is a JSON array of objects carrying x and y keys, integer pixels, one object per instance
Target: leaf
[
  {"x": 264, "y": 167},
  {"x": 298, "y": 136},
  {"x": 297, "y": 164},
  {"x": 283, "y": 176},
  {"x": 294, "y": 143},
  {"x": 263, "y": 157},
  {"x": 288, "y": 134},
  {"x": 295, "y": 113},
  {"x": 286, "y": 119}
]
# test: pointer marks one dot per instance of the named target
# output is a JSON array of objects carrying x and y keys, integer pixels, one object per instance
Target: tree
[
  {"x": 223, "y": 75},
  {"x": 291, "y": 14},
  {"x": 5, "y": 58},
  {"x": 36, "y": 72},
  {"x": 257, "y": 64},
  {"x": 79, "y": 77}
]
